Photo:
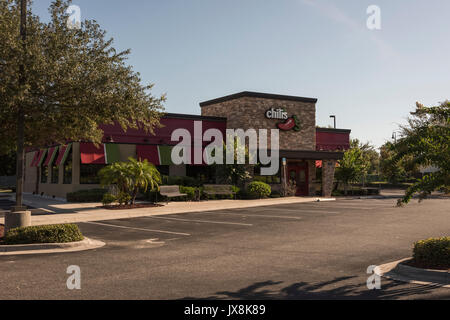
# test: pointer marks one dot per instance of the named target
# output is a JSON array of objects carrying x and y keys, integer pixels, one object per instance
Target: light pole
[
  {"x": 19, "y": 217},
  {"x": 334, "y": 117}
]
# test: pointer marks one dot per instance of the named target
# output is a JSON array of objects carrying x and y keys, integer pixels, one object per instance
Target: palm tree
[
  {"x": 143, "y": 175},
  {"x": 130, "y": 177}
]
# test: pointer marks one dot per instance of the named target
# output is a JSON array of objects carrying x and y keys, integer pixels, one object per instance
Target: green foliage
[
  {"x": 190, "y": 191},
  {"x": 8, "y": 164},
  {"x": 235, "y": 173},
  {"x": 392, "y": 170},
  {"x": 75, "y": 80},
  {"x": 91, "y": 195},
  {"x": 123, "y": 198},
  {"x": 108, "y": 199},
  {"x": 433, "y": 252},
  {"x": 62, "y": 233},
  {"x": 259, "y": 189},
  {"x": 426, "y": 142},
  {"x": 352, "y": 167},
  {"x": 370, "y": 155},
  {"x": 130, "y": 177}
]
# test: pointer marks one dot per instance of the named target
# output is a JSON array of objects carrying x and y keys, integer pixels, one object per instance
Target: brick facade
[{"x": 249, "y": 113}]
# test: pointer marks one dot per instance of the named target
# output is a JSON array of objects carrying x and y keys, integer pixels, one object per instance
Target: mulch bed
[
  {"x": 132, "y": 206},
  {"x": 415, "y": 264}
]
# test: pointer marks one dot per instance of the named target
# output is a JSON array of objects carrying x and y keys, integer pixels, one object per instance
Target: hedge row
[
  {"x": 92, "y": 195},
  {"x": 62, "y": 233},
  {"x": 433, "y": 253}
]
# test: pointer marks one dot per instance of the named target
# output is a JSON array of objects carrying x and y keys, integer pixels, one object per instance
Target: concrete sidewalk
[{"x": 55, "y": 212}]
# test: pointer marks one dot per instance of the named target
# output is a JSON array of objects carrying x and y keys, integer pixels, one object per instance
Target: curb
[
  {"x": 397, "y": 270},
  {"x": 45, "y": 248}
]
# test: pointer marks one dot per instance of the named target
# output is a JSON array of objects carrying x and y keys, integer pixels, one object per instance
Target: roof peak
[{"x": 253, "y": 94}]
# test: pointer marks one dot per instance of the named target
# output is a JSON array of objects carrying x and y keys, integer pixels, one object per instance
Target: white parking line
[
  {"x": 138, "y": 229},
  {"x": 251, "y": 215},
  {"x": 301, "y": 210},
  {"x": 203, "y": 221}
]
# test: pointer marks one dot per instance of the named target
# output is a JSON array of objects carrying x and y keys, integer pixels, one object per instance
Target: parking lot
[{"x": 297, "y": 251}]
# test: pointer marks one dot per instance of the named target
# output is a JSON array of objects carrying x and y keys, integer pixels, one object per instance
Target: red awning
[
  {"x": 35, "y": 159},
  {"x": 149, "y": 153},
  {"x": 40, "y": 158},
  {"x": 63, "y": 153},
  {"x": 50, "y": 156},
  {"x": 90, "y": 154}
]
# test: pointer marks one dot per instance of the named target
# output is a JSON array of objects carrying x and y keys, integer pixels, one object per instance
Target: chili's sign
[{"x": 288, "y": 122}]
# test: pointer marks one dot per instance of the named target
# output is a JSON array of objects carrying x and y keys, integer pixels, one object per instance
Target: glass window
[
  {"x": 89, "y": 173},
  {"x": 55, "y": 174},
  {"x": 44, "y": 174},
  {"x": 204, "y": 174},
  {"x": 67, "y": 178},
  {"x": 163, "y": 170},
  {"x": 55, "y": 170},
  {"x": 302, "y": 177}
]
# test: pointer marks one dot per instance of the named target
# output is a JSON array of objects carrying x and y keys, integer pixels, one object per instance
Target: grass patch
[{"x": 61, "y": 233}]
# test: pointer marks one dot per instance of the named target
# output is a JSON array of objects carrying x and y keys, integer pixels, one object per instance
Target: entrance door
[{"x": 298, "y": 174}]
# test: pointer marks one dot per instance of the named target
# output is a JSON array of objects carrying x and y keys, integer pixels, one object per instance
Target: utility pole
[
  {"x": 20, "y": 111},
  {"x": 19, "y": 217}
]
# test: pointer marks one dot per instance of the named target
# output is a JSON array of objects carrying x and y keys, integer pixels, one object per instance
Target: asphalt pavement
[{"x": 294, "y": 251}]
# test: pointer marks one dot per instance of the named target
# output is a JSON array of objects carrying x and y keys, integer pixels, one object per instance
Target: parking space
[
  {"x": 206, "y": 224},
  {"x": 295, "y": 251}
]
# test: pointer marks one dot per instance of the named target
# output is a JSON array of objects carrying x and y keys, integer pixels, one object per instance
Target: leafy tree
[
  {"x": 130, "y": 177},
  {"x": 66, "y": 81},
  {"x": 236, "y": 174},
  {"x": 369, "y": 153},
  {"x": 75, "y": 80},
  {"x": 8, "y": 164},
  {"x": 393, "y": 172},
  {"x": 351, "y": 168},
  {"x": 426, "y": 141}
]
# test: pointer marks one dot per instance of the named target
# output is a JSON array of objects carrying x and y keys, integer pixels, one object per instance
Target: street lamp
[{"x": 334, "y": 117}]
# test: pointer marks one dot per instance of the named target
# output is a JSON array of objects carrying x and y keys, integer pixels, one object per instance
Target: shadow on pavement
[{"x": 335, "y": 289}]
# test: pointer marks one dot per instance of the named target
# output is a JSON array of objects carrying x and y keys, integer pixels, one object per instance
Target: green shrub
[
  {"x": 123, "y": 198},
  {"x": 92, "y": 195},
  {"x": 61, "y": 233},
  {"x": 190, "y": 191},
  {"x": 108, "y": 198},
  {"x": 259, "y": 189},
  {"x": 433, "y": 252}
]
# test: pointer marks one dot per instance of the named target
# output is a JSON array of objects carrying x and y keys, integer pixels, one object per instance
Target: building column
[{"x": 328, "y": 169}]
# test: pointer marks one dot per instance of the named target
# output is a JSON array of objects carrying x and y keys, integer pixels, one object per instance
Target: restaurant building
[{"x": 57, "y": 170}]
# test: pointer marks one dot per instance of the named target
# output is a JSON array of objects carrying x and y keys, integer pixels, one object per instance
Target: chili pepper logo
[{"x": 292, "y": 123}]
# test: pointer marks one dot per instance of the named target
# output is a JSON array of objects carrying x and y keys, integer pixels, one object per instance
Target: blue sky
[{"x": 196, "y": 50}]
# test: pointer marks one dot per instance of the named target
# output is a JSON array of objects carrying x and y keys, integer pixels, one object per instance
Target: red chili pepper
[{"x": 288, "y": 125}]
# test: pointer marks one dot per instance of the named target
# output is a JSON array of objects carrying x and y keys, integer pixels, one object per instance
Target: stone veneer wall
[
  {"x": 328, "y": 169},
  {"x": 249, "y": 113}
]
